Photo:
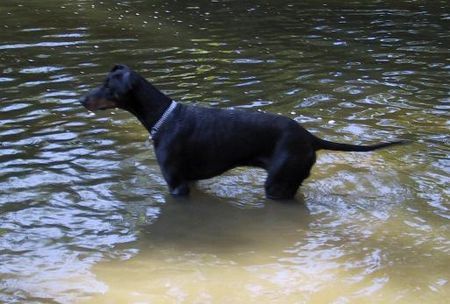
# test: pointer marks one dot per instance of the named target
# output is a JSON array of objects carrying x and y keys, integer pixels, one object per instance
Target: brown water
[{"x": 84, "y": 213}]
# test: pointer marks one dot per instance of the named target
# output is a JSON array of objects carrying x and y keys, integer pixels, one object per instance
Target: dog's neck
[{"x": 149, "y": 104}]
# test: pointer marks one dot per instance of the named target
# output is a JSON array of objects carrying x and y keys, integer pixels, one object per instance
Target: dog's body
[{"x": 193, "y": 143}]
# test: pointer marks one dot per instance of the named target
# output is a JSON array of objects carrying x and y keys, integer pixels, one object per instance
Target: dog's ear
[
  {"x": 120, "y": 67},
  {"x": 128, "y": 80},
  {"x": 123, "y": 82}
]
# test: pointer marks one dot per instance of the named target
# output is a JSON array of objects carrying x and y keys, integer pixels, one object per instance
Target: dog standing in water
[{"x": 193, "y": 143}]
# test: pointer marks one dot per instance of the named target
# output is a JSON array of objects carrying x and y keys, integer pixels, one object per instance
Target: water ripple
[{"x": 40, "y": 44}]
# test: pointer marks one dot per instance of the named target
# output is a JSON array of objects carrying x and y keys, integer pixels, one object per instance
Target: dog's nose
[{"x": 83, "y": 100}]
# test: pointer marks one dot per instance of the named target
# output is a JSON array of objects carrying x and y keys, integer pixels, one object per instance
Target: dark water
[{"x": 84, "y": 212}]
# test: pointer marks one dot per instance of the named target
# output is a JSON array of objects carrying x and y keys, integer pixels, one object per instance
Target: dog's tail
[{"x": 319, "y": 144}]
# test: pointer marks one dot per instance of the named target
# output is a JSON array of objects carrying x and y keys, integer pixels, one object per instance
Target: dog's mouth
[
  {"x": 98, "y": 104},
  {"x": 103, "y": 108}
]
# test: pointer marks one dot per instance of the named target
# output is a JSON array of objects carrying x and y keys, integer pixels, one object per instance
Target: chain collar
[{"x": 162, "y": 120}]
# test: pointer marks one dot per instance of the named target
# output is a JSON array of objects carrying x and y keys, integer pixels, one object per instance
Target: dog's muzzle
[{"x": 93, "y": 101}]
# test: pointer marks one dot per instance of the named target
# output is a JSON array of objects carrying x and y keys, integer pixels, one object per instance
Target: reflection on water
[{"x": 84, "y": 212}]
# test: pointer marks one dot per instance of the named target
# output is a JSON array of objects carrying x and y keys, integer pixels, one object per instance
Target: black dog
[{"x": 193, "y": 143}]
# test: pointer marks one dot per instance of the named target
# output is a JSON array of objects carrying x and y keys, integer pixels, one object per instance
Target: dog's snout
[
  {"x": 83, "y": 100},
  {"x": 97, "y": 100},
  {"x": 88, "y": 100}
]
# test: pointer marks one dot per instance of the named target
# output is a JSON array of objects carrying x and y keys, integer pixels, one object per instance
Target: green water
[{"x": 85, "y": 216}]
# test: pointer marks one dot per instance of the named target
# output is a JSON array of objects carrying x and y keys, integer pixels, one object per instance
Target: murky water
[{"x": 84, "y": 212}]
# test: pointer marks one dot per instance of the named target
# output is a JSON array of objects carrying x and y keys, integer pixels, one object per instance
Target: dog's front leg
[
  {"x": 177, "y": 185},
  {"x": 171, "y": 163},
  {"x": 179, "y": 190}
]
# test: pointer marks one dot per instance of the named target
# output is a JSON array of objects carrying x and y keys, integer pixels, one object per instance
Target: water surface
[{"x": 84, "y": 212}]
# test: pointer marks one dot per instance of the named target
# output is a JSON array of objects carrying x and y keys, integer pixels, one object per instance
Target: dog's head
[{"x": 113, "y": 93}]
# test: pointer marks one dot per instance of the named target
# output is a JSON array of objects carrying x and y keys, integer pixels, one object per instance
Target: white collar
[{"x": 163, "y": 119}]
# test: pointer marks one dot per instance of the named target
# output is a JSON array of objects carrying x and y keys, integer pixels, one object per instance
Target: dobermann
[{"x": 193, "y": 142}]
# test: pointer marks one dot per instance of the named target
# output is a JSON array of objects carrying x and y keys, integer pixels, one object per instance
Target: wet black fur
[{"x": 199, "y": 143}]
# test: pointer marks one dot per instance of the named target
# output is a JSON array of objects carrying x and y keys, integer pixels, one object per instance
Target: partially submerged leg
[
  {"x": 181, "y": 189},
  {"x": 178, "y": 186},
  {"x": 286, "y": 175}
]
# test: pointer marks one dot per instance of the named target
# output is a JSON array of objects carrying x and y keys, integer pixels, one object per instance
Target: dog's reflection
[{"x": 207, "y": 223}]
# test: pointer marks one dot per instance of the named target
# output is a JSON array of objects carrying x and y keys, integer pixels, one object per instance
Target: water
[{"x": 84, "y": 213}]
